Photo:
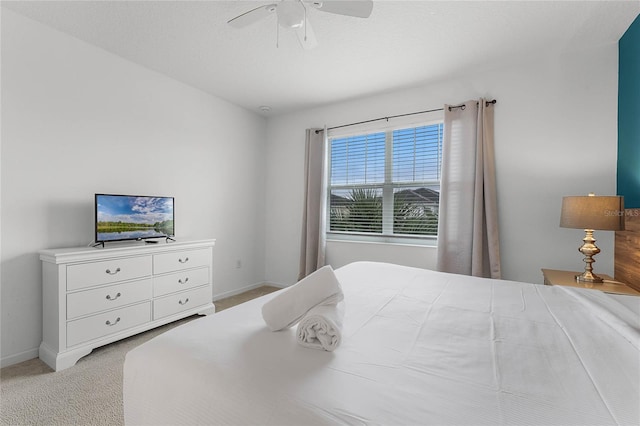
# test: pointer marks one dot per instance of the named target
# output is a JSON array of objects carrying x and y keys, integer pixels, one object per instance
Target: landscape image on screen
[{"x": 120, "y": 217}]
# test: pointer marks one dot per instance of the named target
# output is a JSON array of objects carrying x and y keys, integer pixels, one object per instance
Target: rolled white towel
[
  {"x": 321, "y": 328},
  {"x": 287, "y": 308}
]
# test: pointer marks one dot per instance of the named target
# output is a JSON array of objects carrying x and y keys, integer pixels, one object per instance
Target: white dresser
[{"x": 95, "y": 296}]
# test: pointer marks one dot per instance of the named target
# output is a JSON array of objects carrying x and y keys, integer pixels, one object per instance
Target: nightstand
[{"x": 568, "y": 278}]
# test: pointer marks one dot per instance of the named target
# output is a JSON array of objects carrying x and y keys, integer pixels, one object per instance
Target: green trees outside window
[{"x": 361, "y": 211}]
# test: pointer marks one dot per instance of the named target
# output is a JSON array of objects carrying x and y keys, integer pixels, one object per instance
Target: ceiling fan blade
[
  {"x": 254, "y": 15},
  {"x": 306, "y": 36},
  {"x": 357, "y": 8}
]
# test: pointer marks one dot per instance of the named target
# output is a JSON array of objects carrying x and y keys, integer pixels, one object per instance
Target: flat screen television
[{"x": 133, "y": 217}]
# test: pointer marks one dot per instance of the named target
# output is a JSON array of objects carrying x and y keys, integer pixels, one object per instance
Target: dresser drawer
[
  {"x": 108, "y": 271},
  {"x": 180, "y": 260},
  {"x": 178, "y": 281},
  {"x": 179, "y": 302},
  {"x": 110, "y": 297},
  {"x": 93, "y": 327}
]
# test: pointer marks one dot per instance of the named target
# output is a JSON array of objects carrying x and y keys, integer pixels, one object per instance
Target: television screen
[{"x": 132, "y": 217}]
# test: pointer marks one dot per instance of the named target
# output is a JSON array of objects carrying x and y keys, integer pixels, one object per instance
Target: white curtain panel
[
  {"x": 313, "y": 242},
  {"x": 468, "y": 241}
]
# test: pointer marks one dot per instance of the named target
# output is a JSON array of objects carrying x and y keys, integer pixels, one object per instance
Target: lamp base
[
  {"x": 589, "y": 277},
  {"x": 589, "y": 249}
]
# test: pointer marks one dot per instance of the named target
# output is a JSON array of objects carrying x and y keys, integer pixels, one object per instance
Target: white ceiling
[{"x": 402, "y": 44}]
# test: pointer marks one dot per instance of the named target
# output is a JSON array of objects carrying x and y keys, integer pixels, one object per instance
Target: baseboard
[
  {"x": 279, "y": 285},
  {"x": 20, "y": 357},
  {"x": 243, "y": 289}
]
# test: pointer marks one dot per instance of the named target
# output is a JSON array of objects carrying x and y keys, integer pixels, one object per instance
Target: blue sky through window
[
  {"x": 358, "y": 160},
  {"x": 416, "y": 154}
]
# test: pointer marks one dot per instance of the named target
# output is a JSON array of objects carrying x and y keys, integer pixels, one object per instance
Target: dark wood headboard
[{"x": 627, "y": 250}]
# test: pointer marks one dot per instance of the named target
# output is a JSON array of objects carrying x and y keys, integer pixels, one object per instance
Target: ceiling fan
[{"x": 292, "y": 14}]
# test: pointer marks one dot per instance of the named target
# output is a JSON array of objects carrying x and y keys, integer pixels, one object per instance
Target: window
[{"x": 385, "y": 185}]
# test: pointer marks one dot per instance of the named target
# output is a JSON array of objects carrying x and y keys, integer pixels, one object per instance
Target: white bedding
[{"x": 419, "y": 347}]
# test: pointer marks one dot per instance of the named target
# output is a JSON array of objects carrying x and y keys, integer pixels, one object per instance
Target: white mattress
[{"x": 419, "y": 347}]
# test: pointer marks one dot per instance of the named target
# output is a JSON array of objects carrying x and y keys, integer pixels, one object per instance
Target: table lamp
[{"x": 590, "y": 213}]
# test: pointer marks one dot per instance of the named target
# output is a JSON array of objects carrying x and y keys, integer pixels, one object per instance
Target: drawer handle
[
  {"x": 185, "y": 302},
  {"x": 181, "y": 281},
  {"x": 113, "y": 298},
  {"x": 108, "y": 271},
  {"x": 112, "y": 324},
  {"x": 186, "y": 259}
]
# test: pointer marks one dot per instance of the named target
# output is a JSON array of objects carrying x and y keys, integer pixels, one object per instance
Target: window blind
[{"x": 386, "y": 183}]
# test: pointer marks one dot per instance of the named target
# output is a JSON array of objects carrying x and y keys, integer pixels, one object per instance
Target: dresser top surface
[{"x": 73, "y": 254}]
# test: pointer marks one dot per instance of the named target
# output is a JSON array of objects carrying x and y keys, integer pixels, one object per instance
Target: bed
[{"x": 419, "y": 347}]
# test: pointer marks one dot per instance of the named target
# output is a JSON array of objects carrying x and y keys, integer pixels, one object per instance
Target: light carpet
[{"x": 89, "y": 393}]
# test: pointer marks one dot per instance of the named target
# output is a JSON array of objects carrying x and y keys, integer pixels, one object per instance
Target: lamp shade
[{"x": 593, "y": 212}]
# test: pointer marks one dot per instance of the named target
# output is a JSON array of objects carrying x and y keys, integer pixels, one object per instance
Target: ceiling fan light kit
[{"x": 292, "y": 14}]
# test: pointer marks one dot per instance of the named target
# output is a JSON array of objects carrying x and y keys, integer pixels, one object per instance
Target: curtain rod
[{"x": 463, "y": 106}]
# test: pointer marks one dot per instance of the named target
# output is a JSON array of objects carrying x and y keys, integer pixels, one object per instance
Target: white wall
[
  {"x": 77, "y": 120},
  {"x": 555, "y": 135}
]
